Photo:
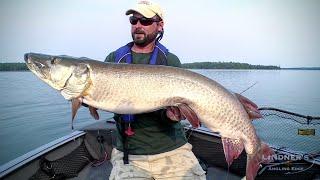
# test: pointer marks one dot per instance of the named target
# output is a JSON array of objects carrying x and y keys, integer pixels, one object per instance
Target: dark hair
[{"x": 160, "y": 33}]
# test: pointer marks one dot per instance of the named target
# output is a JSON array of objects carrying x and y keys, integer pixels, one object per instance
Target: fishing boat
[{"x": 85, "y": 153}]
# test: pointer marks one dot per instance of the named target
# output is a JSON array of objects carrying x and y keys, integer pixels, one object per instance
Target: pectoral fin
[
  {"x": 192, "y": 117},
  {"x": 94, "y": 113},
  {"x": 174, "y": 113},
  {"x": 76, "y": 103}
]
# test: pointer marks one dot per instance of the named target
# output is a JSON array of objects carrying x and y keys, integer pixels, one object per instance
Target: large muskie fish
[{"x": 134, "y": 89}]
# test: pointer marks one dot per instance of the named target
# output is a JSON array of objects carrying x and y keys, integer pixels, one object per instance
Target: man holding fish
[
  {"x": 149, "y": 101},
  {"x": 151, "y": 145},
  {"x": 153, "y": 139}
]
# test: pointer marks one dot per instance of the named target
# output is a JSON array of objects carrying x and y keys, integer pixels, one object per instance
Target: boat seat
[{"x": 101, "y": 172}]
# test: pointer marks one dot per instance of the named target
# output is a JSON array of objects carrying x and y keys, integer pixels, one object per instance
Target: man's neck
[{"x": 146, "y": 49}]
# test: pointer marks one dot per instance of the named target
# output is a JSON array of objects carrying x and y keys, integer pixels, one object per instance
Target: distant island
[
  {"x": 225, "y": 65},
  {"x": 195, "y": 65}
]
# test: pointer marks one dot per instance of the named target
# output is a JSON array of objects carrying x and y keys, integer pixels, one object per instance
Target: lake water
[{"x": 33, "y": 114}]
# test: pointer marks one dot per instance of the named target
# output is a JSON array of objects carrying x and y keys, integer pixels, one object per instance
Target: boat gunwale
[{"x": 34, "y": 154}]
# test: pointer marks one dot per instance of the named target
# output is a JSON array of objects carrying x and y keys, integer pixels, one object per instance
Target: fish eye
[{"x": 54, "y": 60}]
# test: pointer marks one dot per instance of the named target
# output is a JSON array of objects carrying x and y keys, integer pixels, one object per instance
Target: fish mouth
[
  {"x": 26, "y": 58},
  {"x": 36, "y": 66},
  {"x": 29, "y": 61}
]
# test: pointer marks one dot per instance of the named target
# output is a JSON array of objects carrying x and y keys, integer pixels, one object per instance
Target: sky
[{"x": 284, "y": 33}]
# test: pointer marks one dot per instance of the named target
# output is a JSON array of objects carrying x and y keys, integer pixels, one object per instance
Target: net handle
[{"x": 309, "y": 118}]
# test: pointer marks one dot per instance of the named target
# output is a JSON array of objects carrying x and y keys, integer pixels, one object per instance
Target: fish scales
[{"x": 134, "y": 89}]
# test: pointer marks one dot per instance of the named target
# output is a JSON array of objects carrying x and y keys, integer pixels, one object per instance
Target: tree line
[
  {"x": 225, "y": 65},
  {"x": 13, "y": 67},
  {"x": 195, "y": 65}
]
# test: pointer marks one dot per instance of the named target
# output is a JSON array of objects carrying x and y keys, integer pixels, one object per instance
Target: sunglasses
[{"x": 143, "y": 21}]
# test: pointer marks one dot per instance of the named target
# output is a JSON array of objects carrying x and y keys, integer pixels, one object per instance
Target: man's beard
[{"x": 147, "y": 38}]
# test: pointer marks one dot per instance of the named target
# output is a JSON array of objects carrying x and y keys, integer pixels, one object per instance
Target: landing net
[{"x": 287, "y": 130}]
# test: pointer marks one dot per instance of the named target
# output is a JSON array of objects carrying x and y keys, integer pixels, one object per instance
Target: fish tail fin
[
  {"x": 232, "y": 149},
  {"x": 263, "y": 155}
]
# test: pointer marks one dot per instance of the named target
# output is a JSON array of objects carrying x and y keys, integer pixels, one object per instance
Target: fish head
[{"x": 64, "y": 73}]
